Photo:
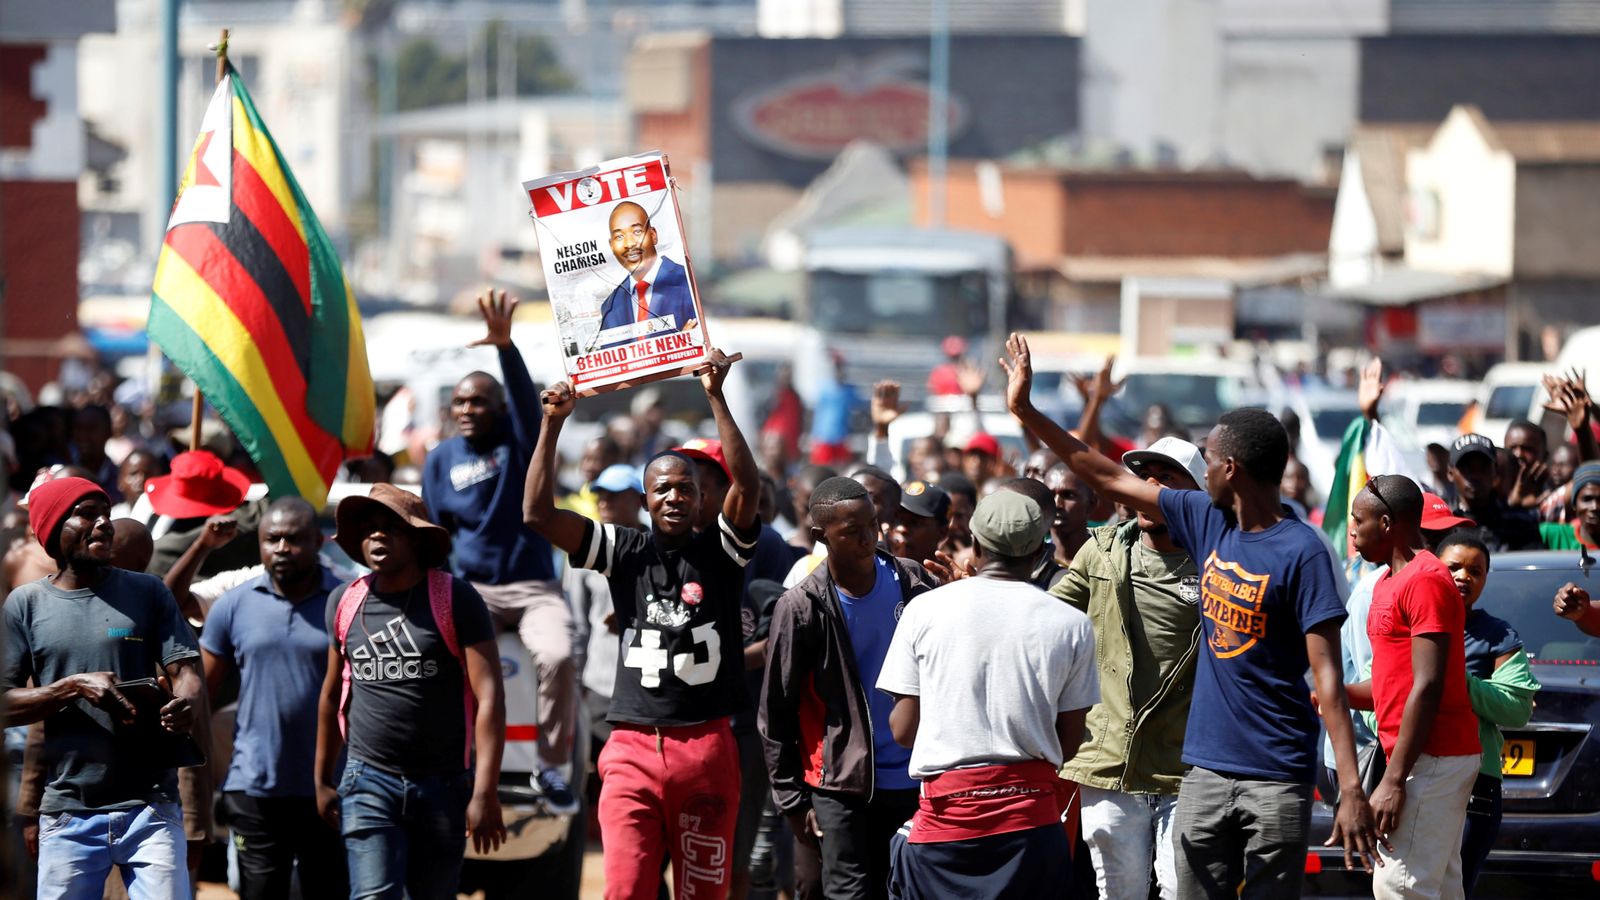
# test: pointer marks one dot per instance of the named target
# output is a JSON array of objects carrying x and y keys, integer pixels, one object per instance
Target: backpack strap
[
  {"x": 441, "y": 600},
  {"x": 349, "y": 607}
]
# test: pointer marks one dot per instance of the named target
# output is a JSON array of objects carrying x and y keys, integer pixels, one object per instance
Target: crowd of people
[{"x": 919, "y": 672}]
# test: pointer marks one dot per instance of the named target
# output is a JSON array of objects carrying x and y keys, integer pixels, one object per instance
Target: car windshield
[
  {"x": 1444, "y": 414},
  {"x": 1510, "y": 401},
  {"x": 1523, "y": 597}
]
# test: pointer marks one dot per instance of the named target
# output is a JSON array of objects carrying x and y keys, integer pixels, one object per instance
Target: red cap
[
  {"x": 200, "y": 485},
  {"x": 49, "y": 503},
  {"x": 1437, "y": 516},
  {"x": 984, "y": 442},
  {"x": 706, "y": 451}
]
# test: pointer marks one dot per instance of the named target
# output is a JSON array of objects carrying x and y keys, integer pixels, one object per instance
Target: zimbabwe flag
[{"x": 250, "y": 302}]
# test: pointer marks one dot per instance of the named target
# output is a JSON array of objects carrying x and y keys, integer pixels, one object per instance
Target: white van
[{"x": 1510, "y": 391}]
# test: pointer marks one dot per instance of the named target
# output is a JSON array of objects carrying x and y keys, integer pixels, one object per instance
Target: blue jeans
[
  {"x": 403, "y": 836},
  {"x": 77, "y": 851}
]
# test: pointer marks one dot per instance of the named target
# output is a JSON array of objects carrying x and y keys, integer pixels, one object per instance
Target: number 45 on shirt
[{"x": 650, "y": 657}]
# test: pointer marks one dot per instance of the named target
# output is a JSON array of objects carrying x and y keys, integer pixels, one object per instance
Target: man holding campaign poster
[{"x": 631, "y": 315}]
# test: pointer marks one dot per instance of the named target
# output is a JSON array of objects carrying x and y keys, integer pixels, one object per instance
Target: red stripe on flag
[
  {"x": 215, "y": 263},
  {"x": 256, "y": 200}
]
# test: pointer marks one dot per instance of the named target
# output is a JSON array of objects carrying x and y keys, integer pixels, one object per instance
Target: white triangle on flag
[{"x": 208, "y": 195}]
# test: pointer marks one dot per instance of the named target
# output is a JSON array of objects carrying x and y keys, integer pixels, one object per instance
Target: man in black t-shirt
[
  {"x": 670, "y": 770},
  {"x": 413, "y": 691}
]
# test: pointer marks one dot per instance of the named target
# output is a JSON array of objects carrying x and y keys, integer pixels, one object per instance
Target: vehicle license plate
[{"x": 1516, "y": 758}]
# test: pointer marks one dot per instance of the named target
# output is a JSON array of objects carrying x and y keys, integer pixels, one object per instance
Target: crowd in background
[{"x": 1117, "y": 627}]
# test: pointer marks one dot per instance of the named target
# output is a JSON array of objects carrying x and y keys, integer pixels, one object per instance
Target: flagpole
[{"x": 199, "y": 398}]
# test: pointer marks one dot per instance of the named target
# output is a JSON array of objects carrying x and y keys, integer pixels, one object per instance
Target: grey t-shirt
[
  {"x": 129, "y": 626},
  {"x": 1166, "y": 593},
  {"x": 407, "y": 711}
]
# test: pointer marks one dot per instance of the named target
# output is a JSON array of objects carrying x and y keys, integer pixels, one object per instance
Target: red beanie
[{"x": 49, "y": 503}]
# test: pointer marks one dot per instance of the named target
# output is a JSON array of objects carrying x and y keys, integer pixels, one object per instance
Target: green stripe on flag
[
  {"x": 192, "y": 355},
  {"x": 1336, "y": 515}
]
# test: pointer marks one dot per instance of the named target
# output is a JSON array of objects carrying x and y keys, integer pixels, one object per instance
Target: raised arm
[
  {"x": 1106, "y": 476},
  {"x": 1569, "y": 396},
  {"x": 217, "y": 532},
  {"x": 563, "y": 528},
  {"x": 744, "y": 496},
  {"x": 522, "y": 405},
  {"x": 1095, "y": 392}
]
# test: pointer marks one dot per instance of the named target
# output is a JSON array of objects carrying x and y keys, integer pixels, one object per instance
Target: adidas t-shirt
[
  {"x": 407, "y": 713},
  {"x": 680, "y": 610}
]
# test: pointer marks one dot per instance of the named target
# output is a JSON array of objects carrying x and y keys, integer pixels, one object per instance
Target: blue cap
[{"x": 619, "y": 478}]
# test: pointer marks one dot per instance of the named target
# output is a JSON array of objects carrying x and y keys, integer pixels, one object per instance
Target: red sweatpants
[{"x": 673, "y": 791}]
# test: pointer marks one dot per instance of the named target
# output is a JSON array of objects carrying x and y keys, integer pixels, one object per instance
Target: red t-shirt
[{"x": 1422, "y": 599}]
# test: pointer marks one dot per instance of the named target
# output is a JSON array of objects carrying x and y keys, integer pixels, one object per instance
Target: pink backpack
[{"x": 441, "y": 602}]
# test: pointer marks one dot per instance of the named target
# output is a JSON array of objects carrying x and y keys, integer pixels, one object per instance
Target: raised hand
[
  {"x": 715, "y": 371},
  {"x": 971, "y": 379},
  {"x": 1019, "y": 374},
  {"x": 1104, "y": 387},
  {"x": 886, "y": 406},
  {"x": 496, "y": 308},
  {"x": 1572, "y": 602},
  {"x": 1371, "y": 389},
  {"x": 217, "y": 532},
  {"x": 558, "y": 400}
]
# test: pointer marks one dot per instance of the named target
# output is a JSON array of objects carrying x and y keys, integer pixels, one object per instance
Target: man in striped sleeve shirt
[{"x": 670, "y": 771}]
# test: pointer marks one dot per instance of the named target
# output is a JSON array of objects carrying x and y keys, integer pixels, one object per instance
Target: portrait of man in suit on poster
[{"x": 655, "y": 286}]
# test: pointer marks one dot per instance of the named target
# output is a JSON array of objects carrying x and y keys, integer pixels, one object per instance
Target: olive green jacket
[{"x": 1132, "y": 744}]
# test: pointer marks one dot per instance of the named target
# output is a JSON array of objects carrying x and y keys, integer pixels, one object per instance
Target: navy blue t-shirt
[
  {"x": 281, "y": 651},
  {"x": 478, "y": 496},
  {"x": 1260, "y": 592},
  {"x": 1487, "y": 639},
  {"x": 871, "y": 620}
]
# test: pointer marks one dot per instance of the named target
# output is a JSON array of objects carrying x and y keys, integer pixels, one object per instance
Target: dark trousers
[
  {"x": 855, "y": 841},
  {"x": 1035, "y": 864},
  {"x": 272, "y": 834},
  {"x": 1483, "y": 826},
  {"x": 1240, "y": 837}
]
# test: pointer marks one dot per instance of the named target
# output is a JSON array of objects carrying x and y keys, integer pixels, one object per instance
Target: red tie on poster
[{"x": 644, "y": 308}]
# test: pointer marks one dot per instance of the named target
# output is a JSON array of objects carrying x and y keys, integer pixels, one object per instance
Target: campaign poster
[{"x": 622, "y": 291}]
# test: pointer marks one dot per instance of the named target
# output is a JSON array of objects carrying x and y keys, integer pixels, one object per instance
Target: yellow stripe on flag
[
  {"x": 258, "y": 151},
  {"x": 188, "y": 295}
]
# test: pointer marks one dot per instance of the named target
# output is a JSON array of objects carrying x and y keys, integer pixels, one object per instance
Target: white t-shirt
[{"x": 994, "y": 663}]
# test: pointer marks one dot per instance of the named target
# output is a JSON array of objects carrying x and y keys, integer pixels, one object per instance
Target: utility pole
[
  {"x": 938, "y": 109},
  {"x": 167, "y": 183}
]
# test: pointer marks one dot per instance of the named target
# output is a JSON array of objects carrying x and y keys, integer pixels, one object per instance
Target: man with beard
[
  {"x": 1074, "y": 501},
  {"x": 111, "y": 800}
]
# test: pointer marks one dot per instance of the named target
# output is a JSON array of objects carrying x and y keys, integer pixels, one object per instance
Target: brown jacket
[{"x": 815, "y": 726}]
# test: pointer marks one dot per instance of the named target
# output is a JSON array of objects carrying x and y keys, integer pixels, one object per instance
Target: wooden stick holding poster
[{"x": 622, "y": 289}]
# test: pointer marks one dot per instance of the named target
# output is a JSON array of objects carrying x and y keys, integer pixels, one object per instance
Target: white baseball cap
[{"x": 1173, "y": 451}]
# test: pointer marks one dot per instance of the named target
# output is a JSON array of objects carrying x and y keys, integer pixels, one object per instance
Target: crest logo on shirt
[
  {"x": 692, "y": 593},
  {"x": 1233, "y": 599},
  {"x": 898, "y": 609},
  {"x": 1189, "y": 589}
]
